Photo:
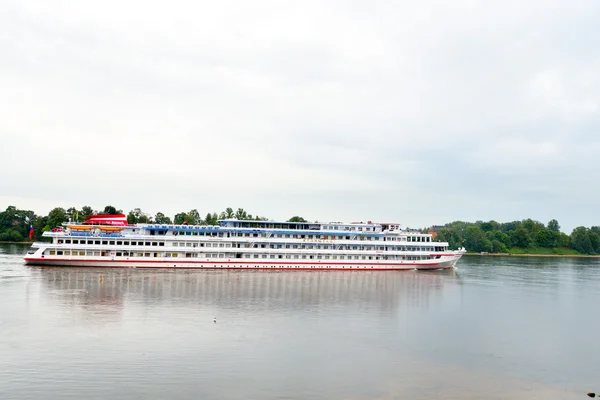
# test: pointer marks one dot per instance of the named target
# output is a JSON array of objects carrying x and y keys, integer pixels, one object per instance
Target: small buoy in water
[
  {"x": 215, "y": 320},
  {"x": 592, "y": 394}
]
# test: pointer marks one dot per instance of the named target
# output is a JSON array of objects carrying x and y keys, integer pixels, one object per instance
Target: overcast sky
[{"x": 418, "y": 112}]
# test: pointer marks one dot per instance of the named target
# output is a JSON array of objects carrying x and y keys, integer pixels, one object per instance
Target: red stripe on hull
[
  {"x": 251, "y": 269},
  {"x": 177, "y": 261}
]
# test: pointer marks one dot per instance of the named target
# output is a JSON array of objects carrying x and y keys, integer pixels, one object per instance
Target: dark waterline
[{"x": 496, "y": 328}]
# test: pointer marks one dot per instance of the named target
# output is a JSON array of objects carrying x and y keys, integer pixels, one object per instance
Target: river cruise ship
[{"x": 108, "y": 241}]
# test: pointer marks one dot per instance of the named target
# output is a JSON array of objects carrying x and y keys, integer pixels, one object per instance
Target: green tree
[
  {"x": 498, "y": 247},
  {"x": 137, "y": 216},
  {"x": 87, "y": 211},
  {"x": 179, "y": 218},
  {"x": 57, "y": 216},
  {"x": 475, "y": 239},
  {"x": 208, "y": 220},
  {"x": 227, "y": 214},
  {"x": 241, "y": 214},
  {"x": 193, "y": 217},
  {"x": 296, "y": 218},
  {"x": 161, "y": 218},
  {"x": 110, "y": 210},
  {"x": 581, "y": 240},
  {"x": 553, "y": 225},
  {"x": 564, "y": 240},
  {"x": 594, "y": 240},
  {"x": 532, "y": 226},
  {"x": 489, "y": 226},
  {"x": 541, "y": 238},
  {"x": 498, "y": 235},
  {"x": 510, "y": 226},
  {"x": 552, "y": 238},
  {"x": 15, "y": 223},
  {"x": 520, "y": 237}
]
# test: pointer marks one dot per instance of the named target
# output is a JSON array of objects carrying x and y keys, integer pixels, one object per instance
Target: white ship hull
[{"x": 197, "y": 264}]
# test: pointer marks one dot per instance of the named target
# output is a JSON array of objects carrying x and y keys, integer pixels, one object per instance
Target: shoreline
[{"x": 532, "y": 255}]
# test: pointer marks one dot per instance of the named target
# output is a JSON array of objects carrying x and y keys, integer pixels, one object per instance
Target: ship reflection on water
[{"x": 381, "y": 290}]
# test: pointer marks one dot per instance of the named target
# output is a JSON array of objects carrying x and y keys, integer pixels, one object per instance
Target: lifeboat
[
  {"x": 81, "y": 227},
  {"x": 110, "y": 228}
]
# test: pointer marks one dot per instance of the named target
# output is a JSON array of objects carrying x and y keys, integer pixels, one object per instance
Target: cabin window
[
  {"x": 119, "y": 242},
  {"x": 59, "y": 253},
  {"x": 154, "y": 243}
]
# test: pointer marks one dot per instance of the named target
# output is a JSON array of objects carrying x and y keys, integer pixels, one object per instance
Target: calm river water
[{"x": 495, "y": 328}]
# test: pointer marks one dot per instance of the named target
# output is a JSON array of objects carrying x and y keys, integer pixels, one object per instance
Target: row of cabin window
[
  {"x": 110, "y": 242},
  {"x": 305, "y": 246},
  {"x": 333, "y": 257},
  {"x": 297, "y": 257},
  {"x": 309, "y": 236},
  {"x": 327, "y": 257},
  {"x": 221, "y": 255},
  {"x": 105, "y": 253},
  {"x": 349, "y": 228}
]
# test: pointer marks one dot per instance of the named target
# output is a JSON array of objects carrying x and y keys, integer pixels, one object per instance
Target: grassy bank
[{"x": 537, "y": 252}]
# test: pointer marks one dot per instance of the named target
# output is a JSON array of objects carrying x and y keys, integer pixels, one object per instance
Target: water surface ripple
[{"x": 495, "y": 328}]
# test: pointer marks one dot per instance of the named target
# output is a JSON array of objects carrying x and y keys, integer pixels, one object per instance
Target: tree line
[
  {"x": 526, "y": 236},
  {"x": 15, "y": 224}
]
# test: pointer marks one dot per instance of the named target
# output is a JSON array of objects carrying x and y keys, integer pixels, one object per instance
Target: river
[{"x": 494, "y": 328}]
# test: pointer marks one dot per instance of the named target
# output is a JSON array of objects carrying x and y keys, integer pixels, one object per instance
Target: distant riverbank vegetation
[{"x": 517, "y": 237}]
